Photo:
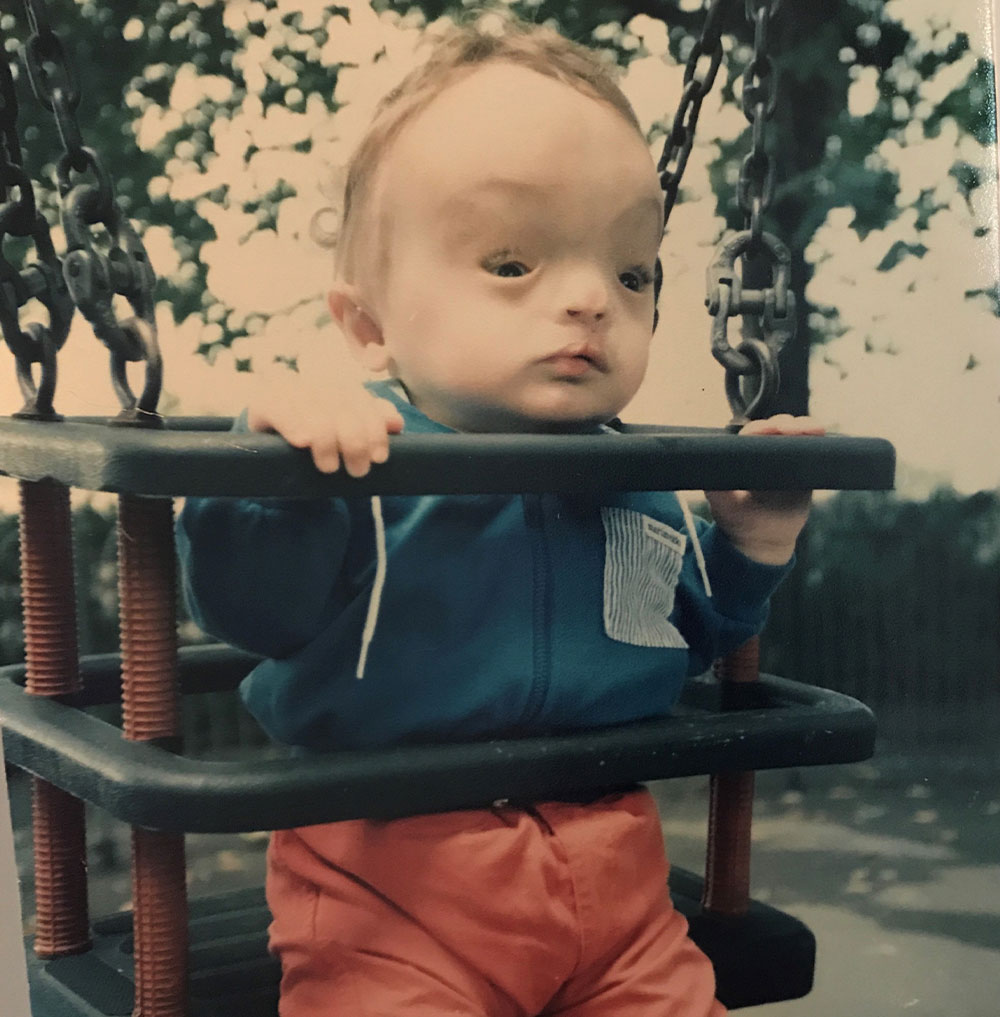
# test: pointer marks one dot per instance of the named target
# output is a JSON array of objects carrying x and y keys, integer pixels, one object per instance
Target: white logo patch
[
  {"x": 664, "y": 534},
  {"x": 642, "y": 564}
]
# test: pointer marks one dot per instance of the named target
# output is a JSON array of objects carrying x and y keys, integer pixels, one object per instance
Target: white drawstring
[
  {"x": 378, "y": 583},
  {"x": 699, "y": 554}
]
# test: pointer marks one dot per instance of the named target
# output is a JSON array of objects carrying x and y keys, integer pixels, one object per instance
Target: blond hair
[{"x": 455, "y": 54}]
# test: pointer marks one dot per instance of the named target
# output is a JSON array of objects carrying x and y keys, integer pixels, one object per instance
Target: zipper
[{"x": 541, "y": 612}]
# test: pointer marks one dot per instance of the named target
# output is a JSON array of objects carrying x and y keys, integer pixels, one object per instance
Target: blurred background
[{"x": 226, "y": 127}]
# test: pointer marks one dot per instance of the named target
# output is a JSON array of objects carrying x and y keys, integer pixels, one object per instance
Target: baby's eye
[
  {"x": 503, "y": 262},
  {"x": 636, "y": 279},
  {"x": 507, "y": 269}
]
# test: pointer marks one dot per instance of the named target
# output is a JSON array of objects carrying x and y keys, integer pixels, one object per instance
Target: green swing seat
[{"x": 760, "y": 956}]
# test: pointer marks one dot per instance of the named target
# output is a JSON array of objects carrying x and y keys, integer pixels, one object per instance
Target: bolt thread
[
  {"x": 730, "y": 808},
  {"x": 61, "y": 925},
  {"x": 48, "y": 589},
  {"x": 160, "y": 918},
  {"x": 48, "y": 593},
  {"x": 147, "y": 585}
]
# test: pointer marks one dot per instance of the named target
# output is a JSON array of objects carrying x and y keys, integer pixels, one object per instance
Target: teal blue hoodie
[{"x": 493, "y": 614}]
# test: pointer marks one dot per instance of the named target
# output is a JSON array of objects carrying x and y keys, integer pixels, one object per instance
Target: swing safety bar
[
  {"x": 783, "y": 724},
  {"x": 201, "y": 456}
]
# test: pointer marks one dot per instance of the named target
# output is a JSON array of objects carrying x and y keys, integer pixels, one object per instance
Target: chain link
[
  {"x": 760, "y": 98},
  {"x": 700, "y": 72},
  {"x": 15, "y": 216},
  {"x": 52, "y": 80},
  {"x": 94, "y": 277},
  {"x": 769, "y": 316},
  {"x": 35, "y": 343}
]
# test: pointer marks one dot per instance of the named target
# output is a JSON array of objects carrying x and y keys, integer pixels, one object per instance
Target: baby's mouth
[{"x": 578, "y": 358}]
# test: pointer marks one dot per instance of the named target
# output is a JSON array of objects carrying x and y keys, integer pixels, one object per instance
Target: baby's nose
[{"x": 586, "y": 296}]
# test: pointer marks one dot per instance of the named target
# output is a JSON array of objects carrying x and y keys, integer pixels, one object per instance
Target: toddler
[{"x": 501, "y": 224}]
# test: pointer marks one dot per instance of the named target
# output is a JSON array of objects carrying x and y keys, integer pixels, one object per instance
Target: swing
[{"x": 166, "y": 959}]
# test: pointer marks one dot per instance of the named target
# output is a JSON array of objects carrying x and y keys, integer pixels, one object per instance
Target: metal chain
[
  {"x": 92, "y": 276},
  {"x": 760, "y": 99},
  {"x": 52, "y": 80},
  {"x": 678, "y": 143},
  {"x": 769, "y": 318},
  {"x": 700, "y": 71},
  {"x": 43, "y": 280}
]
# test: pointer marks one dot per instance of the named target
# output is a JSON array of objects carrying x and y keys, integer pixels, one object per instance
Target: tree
[
  {"x": 915, "y": 585},
  {"x": 228, "y": 110}
]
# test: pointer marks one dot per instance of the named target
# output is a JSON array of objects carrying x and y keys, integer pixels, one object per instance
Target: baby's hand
[
  {"x": 764, "y": 525},
  {"x": 338, "y": 423}
]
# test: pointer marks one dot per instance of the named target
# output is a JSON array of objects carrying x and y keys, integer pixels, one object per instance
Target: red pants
[{"x": 505, "y": 912}]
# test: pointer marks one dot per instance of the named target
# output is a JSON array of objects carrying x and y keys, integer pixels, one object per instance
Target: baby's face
[{"x": 522, "y": 224}]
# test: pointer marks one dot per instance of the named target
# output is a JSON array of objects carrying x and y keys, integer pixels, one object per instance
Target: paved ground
[
  {"x": 895, "y": 866},
  {"x": 897, "y": 874}
]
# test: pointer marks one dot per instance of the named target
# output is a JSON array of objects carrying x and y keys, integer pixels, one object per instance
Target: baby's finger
[
  {"x": 326, "y": 441},
  {"x": 392, "y": 417},
  {"x": 378, "y": 436},
  {"x": 357, "y": 443},
  {"x": 777, "y": 424},
  {"x": 381, "y": 420},
  {"x": 261, "y": 416},
  {"x": 326, "y": 455},
  {"x": 279, "y": 419},
  {"x": 784, "y": 423}
]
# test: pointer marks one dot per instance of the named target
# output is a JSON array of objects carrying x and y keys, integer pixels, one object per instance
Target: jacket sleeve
[
  {"x": 261, "y": 574},
  {"x": 738, "y": 607}
]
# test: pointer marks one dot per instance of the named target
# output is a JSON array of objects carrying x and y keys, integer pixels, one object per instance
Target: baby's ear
[{"x": 360, "y": 328}]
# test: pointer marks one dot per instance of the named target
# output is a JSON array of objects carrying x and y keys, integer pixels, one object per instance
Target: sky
[{"x": 916, "y": 362}]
